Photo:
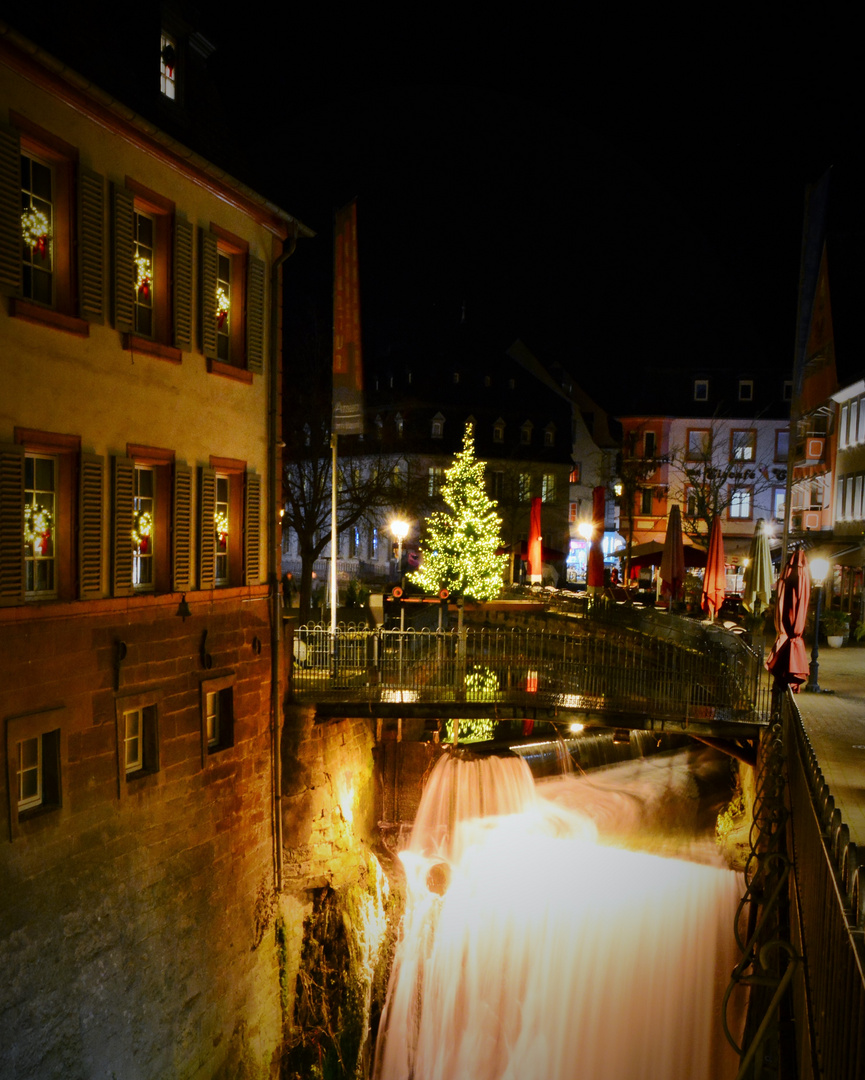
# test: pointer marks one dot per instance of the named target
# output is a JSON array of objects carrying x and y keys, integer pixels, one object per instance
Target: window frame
[
  {"x": 746, "y": 389},
  {"x": 780, "y": 435},
  {"x": 701, "y": 389},
  {"x": 749, "y": 490},
  {"x": 223, "y": 685},
  {"x": 234, "y": 471},
  {"x": 50, "y": 727},
  {"x": 524, "y": 487},
  {"x": 776, "y": 492},
  {"x": 161, "y": 462},
  {"x": 499, "y": 431},
  {"x": 548, "y": 488},
  {"x": 650, "y": 445},
  {"x": 749, "y": 446},
  {"x": 68, "y": 243},
  {"x": 646, "y": 496},
  {"x": 706, "y": 453},
  {"x": 248, "y": 305},
  {"x": 151, "y": 774}
]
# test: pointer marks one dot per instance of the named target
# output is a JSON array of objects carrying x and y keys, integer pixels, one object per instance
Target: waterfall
[{"x": 532, "y": 949}]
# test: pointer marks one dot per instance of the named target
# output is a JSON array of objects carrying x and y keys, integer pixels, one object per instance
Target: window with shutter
[
  {"x": 42, "y": 226},
  {"x": 228, "y": 520},
  {"x": 232, "y": 306},
  {"x": 90, "y": 518},
  {"x": 206, "y": 528},
  {"x": 152, "y": 273},
  {"x": 47, "y": 514},
  {"x": 181, "y": 534},
  {"x": 252, "y": 529}
]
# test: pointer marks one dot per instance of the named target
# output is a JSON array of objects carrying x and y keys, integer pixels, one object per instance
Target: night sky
[
  {"x": 618, "y": 195},
  {"x": 621, "y": 191}
]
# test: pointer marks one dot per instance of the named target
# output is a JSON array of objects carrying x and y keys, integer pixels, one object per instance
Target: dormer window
[
  {"x": 787, "y": 390},
  {"x": 746, "y": 389},
  {"x": 550, "y": 435},
  {"x": 499, "y": 431},
  {"x": 526, "y": 433},
  {"x": 488, "y": 380},
  {"x": 168, "y": 66},
  {"x": 438, "y": 426},
  {"x": 456, "y": 377},
  {"x": 408, "y": 377},
  {"x": 701, "y": 389},
  {"x": 399, "y": 425}
]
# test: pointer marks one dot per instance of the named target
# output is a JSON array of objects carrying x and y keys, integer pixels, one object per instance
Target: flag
[{"x": 347, "y": 367}]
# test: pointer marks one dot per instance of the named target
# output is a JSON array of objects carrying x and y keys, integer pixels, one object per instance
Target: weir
[{"x": 539, "y": 942}]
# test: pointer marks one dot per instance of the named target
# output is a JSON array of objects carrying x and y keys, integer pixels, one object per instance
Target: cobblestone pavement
[{"x": 835, "y": 723}]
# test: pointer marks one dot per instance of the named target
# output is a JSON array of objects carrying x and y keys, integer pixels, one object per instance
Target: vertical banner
[{"x": 347, "y": 367}]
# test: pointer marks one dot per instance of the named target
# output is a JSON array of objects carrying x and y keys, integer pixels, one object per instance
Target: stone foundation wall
[{"x": 138, "y": 920}]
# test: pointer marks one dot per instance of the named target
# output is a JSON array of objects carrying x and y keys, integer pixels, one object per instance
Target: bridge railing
[{"x": 614, "y": 662}]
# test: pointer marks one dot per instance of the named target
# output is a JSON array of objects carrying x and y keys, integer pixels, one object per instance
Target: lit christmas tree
[{"x": 459, "y": 549}]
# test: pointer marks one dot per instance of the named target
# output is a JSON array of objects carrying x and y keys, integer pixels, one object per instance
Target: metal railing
[
  {"x": 828, "y": 921},
  {"x": 604, "y": 659}
]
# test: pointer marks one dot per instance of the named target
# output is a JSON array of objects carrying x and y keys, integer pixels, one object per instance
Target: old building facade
[{"x": 139, "y": 711}]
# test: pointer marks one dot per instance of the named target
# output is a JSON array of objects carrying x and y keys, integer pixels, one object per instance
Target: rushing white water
[{"x": 530, "y": 951}]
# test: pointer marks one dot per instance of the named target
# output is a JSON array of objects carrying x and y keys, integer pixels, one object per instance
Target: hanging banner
[{"x": 347, "y": 367}]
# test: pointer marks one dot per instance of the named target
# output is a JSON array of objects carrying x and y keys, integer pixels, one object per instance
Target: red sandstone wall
[{"x": 136, "y": 932}]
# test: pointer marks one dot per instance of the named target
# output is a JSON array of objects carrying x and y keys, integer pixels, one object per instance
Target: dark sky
[
  {"x": 620, "y": 197},
  {"x": 622, "y": 190}
]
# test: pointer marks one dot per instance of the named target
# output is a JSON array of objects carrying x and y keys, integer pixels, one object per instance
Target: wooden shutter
[
  {"x": 11, "y": 524},
  {"x": 181, "y": 533},
  {"x": 124, "y": 264},
  {"x": 252, "y": 529},
  {"x": 206, "y": 528},
  {"x": 121, "y": 537},
  {"x": 182, "y": 283},
  {"x": 208, "y": 270},
  {"x": 255, "y": 315},
  {"x": 90, "y": 518},
  {"x": 91, "y": 245},
  {"x": 10, "y": 210}
]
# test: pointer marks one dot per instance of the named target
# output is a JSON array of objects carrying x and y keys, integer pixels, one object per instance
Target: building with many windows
[
  {"x": 139, "y": 412},
  {"x": 715, "y": 442}
]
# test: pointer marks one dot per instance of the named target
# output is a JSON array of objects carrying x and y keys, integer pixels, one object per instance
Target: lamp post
[{"x": 819, "y": 569}]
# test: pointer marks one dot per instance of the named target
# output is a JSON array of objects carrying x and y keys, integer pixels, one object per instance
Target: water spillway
[{"x": 538, "y": 945}]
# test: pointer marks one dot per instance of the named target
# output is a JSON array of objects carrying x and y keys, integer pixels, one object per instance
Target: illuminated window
[
  {"x": 143, "y": 528},
  {"x": 740, "y": 503},
  {"x": 525, "y": 487},
  {"x": 223, "y": 306},
  {"x": 372, "y": 545},
  {"x": 144, "y": 238},
  {"x": 168, "y": 66},
  {"x": 436, "y": 479},
  {"x": 221, "y": 519},
  {"x": 137, "y": 722},
  {"x": 779, "y": 496},
  {"x": 37, "y": 224},
  {"x": 548, "y": 487},
  {"x": 40, "y": 524},
  {"x": 133, "y": 741}
]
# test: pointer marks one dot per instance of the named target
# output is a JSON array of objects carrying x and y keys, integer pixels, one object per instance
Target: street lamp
[
  {"x": 399, "y": 531},
  {"x": 819, "y": 569}
]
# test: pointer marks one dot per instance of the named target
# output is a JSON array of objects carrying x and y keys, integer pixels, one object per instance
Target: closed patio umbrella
[
  {"x": 758, "y": 580},
  {"x": 715, "y": 578},
  {"x": 673, "y": 557},
  {"x": 788, "y": 660},
  {"x": 595, "y": 564},
  {"x": 536, "y": 569}
]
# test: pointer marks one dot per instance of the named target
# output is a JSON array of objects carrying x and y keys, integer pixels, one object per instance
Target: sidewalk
[{"x": 835, "y": 723}]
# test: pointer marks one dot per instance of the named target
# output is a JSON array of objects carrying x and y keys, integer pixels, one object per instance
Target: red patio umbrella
[
  {"x": 788, "y": 660},
  {"x": 536, "y": 571},
  {"x": 595, "y": 564},
  {"x": 673, "y": 556},
  {"x": 715, "y": 578}
]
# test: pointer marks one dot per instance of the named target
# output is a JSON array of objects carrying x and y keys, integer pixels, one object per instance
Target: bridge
[{"x": 600, "y": 663}]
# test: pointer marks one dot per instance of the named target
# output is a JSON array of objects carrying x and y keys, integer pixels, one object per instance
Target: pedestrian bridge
[{"x": 603, "y": 664}]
